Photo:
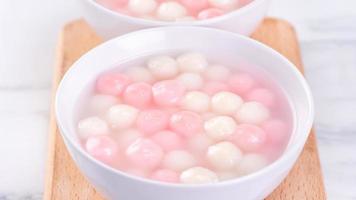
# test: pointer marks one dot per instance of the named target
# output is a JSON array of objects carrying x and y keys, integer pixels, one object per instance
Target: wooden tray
[{"x": 65, "y": 182}]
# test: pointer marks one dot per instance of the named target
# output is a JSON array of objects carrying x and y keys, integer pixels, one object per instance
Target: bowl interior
[{"x": 225, "y": 46}]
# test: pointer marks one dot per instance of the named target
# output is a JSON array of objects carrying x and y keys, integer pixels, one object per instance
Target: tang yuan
[
  {"x": 138, "y": 94},
  {"x": 92, "y": 126},
  {"x": 186, "y": 123},
  {"x": 251, "y": 163},
  {"x": 196, "y": 101},
  {"x": 223, "y": 156},
  {"x": 249, "y": 137},
  {"x": 226, "y": 103},
  {"x": 112, "y": 84},
  {"x": 144, "y": 153},
  {"x": 168, "y": 93},
  {"x": 122, "y": 116},
  {"x": 191, "y": 81},
  {"x": 192, "y": 62},
  {"x": 220, "y": 128},
  {"x": 198, "y": 175},
  {"x": 152, "y": 121},
  {"x": 165, "y": 175},
  {"x": 195, "y": 5},
  {"x": 210, "y": 13},
  {"x": 168, "y": 10},
  {"x": 102, "y": 148},
  {"x": 168, "y": 140},
  {"x": 140, "y": 74},
  {"x": 100, "y": 103},
  {"x": 142, "y": 7},
  {"x": 163, "y": 67},
  {"x": 262, "y": 95},
  {"x": 179, "y": 160},
  {"x": 184, "y": 117},
  {"x": 252, "y": 112}
]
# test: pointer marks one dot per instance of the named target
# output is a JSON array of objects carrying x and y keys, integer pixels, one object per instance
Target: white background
[{"x": 28, "y": 36}]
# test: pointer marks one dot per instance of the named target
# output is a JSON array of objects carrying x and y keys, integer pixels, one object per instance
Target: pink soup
[{"x": 185, "y": 119}]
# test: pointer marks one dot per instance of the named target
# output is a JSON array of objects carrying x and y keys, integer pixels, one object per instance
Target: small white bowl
[
  {"x": 109, "y": 24},
  {"x": 228, "y": 46}
]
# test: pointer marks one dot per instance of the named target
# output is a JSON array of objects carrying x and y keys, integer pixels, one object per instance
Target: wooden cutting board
[{"x": 65, "y": 182}]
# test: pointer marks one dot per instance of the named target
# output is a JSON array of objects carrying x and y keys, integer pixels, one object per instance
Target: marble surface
[{"x": 28, "y": 34}]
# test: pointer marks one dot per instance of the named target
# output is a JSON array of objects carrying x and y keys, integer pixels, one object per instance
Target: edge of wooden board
[
  {"x": 62, "y": 62},
  {"x": 51, "y": 146},
  {"x": 261, "y": 36}
]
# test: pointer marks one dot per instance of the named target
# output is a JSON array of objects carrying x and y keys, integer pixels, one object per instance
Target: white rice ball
[
  {"x": 253, "y": 113},
  {"x": 196, "y": 101},
  {"x": 179, "y": 160},
  {"x": 140, "y": 74},
  {"x": 198, "y": 175},
  {"x": 163, "y": 67},
  {"x": 224, "y": 4},
  {"x": 192, "y": 62},
  {"x": 251, "y": 163},
  {"x": 191, "y": 81},
  {"x": 226, "y": 103},
  {"x": 142, "y": 7},
  {"x": 100, "y": 103},
  {"x": 224, "y": 156},
  {"x": 220, "y": 127},
  {"x": 122, "y": 116},
  {"x": 171, "y": 11},
  {"x": 92, "y": 126}
]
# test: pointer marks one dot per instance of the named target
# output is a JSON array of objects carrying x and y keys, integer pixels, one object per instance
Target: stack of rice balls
[
  {"x": 174, "y": 10},
  {"x": 184, "y": 120}
]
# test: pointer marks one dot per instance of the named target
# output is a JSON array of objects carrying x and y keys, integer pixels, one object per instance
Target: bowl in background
[
  {"x": 114, "y": 184},
  {"x": 109, "y": 24}
]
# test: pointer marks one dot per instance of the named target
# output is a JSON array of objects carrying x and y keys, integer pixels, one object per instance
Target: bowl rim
[
  {"x": 147, "y": 22},
  {"x": 283, "y": 159}
]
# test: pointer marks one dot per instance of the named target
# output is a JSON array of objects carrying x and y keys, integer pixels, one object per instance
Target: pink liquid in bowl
[
  {"x": 218, "y": 123},
  {"x": 177, "y": 10}
]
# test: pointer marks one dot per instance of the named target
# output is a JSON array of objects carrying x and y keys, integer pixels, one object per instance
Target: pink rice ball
[
  {"x": 144, "y": 153},
  {"x": 138, "y": 94},
  {"x": 112, "y": 84},
  {"x": 186, "y": 123},
  {"x": 195, "y": 5},
  {"x": 210, "y": 13},
  {"x": 249, "y": 138},
  {"x": 263, "y": 96},
  {"x": 241, "y": 83},
  {"x": 152, "y": 121},
  {"x": 165, "y": 175},
  {"x": 168, "y": 92},
  {"x": 168, "y": 140},
  {"x": 276, "y": 130},
  {"x": 102, "y": 148}
]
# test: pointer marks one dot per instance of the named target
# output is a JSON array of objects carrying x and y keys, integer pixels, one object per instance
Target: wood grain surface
[{"x": 65, "y": 182}]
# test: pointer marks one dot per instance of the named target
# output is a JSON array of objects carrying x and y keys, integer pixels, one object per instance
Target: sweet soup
[
  {"x": 174, "y": 10},
  {"x": 184, "y": 119}
]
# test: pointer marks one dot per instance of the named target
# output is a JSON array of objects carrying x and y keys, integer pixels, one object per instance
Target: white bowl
[
  {"x": 229, "y": 46},
  {"x": 109, "y": 24}
]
